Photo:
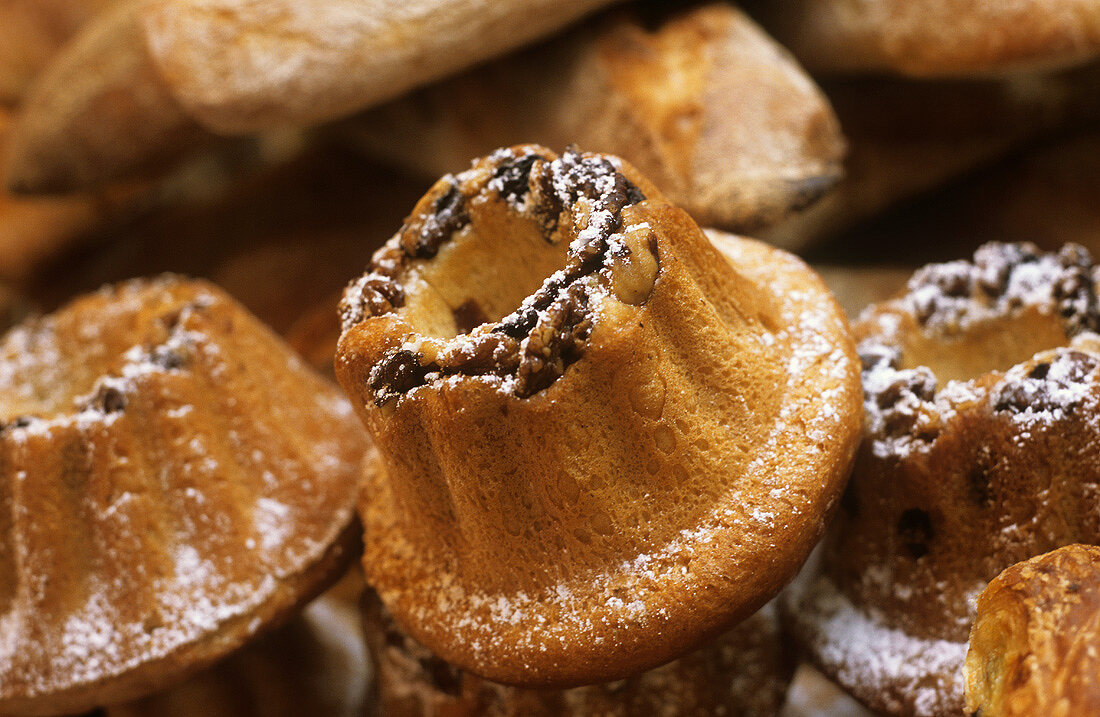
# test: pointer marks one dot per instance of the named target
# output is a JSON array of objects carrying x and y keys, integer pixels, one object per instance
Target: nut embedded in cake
[{"x": 606, "y": 439}]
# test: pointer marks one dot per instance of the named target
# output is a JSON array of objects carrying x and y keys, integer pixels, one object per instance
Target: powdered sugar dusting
[{"x": 875, "y": 661}]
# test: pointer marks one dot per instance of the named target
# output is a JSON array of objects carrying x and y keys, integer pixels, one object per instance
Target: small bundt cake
[
  {"x": 742, "y": 672},
  {"x": 1033, "y": 648},
  {"x": 172, "y": 481},
  {"x": 605, "y": 439},
  {"x": 981, "y": 397}
]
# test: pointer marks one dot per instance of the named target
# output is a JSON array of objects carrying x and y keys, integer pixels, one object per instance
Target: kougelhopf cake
[
  {"x": 743, "y": 672},
  {"x": 981, "y": 397},
  {"x": 1033, "y": 645},
  {"x": 605, "y": 439},
  {"x": 172, "y": 481}
]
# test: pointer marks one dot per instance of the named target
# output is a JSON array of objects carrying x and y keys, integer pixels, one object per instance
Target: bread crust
[
  {"x": 244, "y": 65},
  {"x": 701, "y": 101},
  {"x": 1033, "y": 644},
  {"x": 31, "y": 31},
  {"x": 99, "y": 112},
  {"x": 570, "y": 526},
  {"x": 937, "y": 38}
]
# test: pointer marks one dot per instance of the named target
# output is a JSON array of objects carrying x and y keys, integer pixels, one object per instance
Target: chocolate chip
[
  {"x": 514, "y": 177},
  {"x": 422, "y": 239},
  {"x": 397, "y": 373},
  {"x": 915, "y": 532}
]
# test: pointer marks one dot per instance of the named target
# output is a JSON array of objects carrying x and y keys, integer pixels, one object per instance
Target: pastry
[
  {"x": 1044, "y": 194},
  {"x": 99, "y": 112},
  {"x": 742, "y": 672},
  {"x": 317, "y": 664},
  {"x": 147, "y": 83},
  {"x": 936, "y": 38},
  {"x": 981, "y": 394},
  {"x": 908, "y": 138},
  {"x": 701, "y": 101},
  {"x": 607, "y": 440},
  {"x": 1033, "y": 644},
  {"x": 173, "y": 482}
]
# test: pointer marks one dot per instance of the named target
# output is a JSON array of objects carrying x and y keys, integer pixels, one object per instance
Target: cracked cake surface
[{"x": 606, "y": 439}]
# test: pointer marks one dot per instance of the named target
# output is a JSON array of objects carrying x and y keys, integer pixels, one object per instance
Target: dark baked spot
[
  {"x": 978, "y": 482},
  {"x": 915, "y": 532},
  {"x": 109, "y": 399},
  {"x": 468, "y": 316}
]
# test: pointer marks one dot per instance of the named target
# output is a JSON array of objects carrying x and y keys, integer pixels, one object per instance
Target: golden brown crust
[
  {"x": 981, "y": 394},
  {"x": 1033, "y": 644},
  {"x": 98, "y": 112},
  {"x": 652, "y": 465},
  {"x": 937, "y": 37},
  {"x": 242, "y": 65},
  {"x": 742, "y": 672},
  {"x": 703, "y": 103},
  {"x": 173, "y": 482},
  {"x": 909, "y": 137}
]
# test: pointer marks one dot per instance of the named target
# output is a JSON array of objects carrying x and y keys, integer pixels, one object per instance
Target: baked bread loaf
[
  {"x": 147, "y": 81},
  {"x": 701, "y": 101},
  {"x": 173, "y": 481},
  {"x": 935, "y": 38},
  {"x": 1033, "y": 644},
  {"x": 99, "y": 112},
  {"x": 981, "y": 395},
  {"x": 907, "y": 138},
  {"x": 606, "y": 439},
  {"x": 742, "y": 672}
]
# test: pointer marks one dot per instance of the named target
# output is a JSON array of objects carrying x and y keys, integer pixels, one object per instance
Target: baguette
[
  {"x": 244, "y": 65},
  {"x": 137, "y": 87},
  {"x": 936, "y": 38},
  {"x": 710, "y": 108}
]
